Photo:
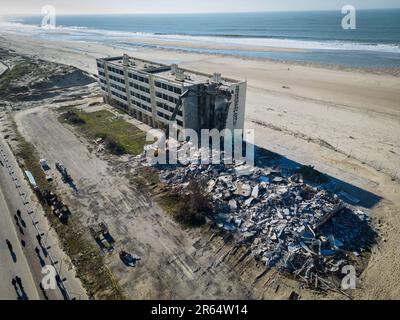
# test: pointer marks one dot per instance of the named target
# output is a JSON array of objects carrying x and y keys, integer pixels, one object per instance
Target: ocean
[{"x": 318, "y": 36}]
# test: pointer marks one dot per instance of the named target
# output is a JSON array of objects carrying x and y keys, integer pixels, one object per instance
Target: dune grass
[{"x": 124, "y": 137}]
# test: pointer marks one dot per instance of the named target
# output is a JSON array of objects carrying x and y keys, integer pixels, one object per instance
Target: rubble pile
[{"x": 285, "y": 222}]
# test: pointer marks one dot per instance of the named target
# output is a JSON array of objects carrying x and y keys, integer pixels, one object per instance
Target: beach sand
[{"x": 346, "y": 123}]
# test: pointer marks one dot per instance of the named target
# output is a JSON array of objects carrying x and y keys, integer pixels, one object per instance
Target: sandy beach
[{"x": 346, "y": 123}]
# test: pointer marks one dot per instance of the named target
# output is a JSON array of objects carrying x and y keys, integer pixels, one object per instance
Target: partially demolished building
[{"x": 156, "y": 94}]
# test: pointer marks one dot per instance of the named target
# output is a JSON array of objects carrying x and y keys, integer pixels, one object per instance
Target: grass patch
[
  {"x": 18, "y": 71},
  {"x": 189, "y": 210},
  {"x": 148, "y": 176},
  {"x": 75, "y": 246},
  {"x": 193, "y": 206},
  {"x": 120, "y": 136},
  {"x": 73, "y": 118},
  {"x": 189, "y": 207},
  {"x": 30, "y": 159},
  {"x": 113, "y": 146},
  {"x": 169, "y": 202}
]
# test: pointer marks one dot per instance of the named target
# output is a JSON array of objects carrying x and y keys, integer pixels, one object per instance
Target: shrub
[
  {"x": 114, "y": 147},
  {"x": 73, "y": 118},
  {"x": 101, "y": 135},
  {"x": 194, "y": 207}
]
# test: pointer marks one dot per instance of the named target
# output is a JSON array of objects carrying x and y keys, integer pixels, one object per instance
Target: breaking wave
[{"x": 108, "y": 36}]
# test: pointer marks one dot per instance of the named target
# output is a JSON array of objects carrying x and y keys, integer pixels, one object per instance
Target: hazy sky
[{"x": 184, "y": 6}]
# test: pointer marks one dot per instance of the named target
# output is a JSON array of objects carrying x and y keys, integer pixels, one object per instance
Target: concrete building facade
[{"x": 156, "y": 93}]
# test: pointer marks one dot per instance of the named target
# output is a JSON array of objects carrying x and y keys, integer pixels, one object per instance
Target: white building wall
[{"x": 143, "y": 95}]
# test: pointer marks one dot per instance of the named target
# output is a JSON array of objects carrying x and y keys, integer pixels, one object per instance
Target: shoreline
[
  {"x": 395, "y": 72},
  {"x": 205, "y": 47}
]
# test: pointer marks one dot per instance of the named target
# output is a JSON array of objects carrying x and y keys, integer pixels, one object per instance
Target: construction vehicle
[
  {"x": 50, "y": 197},
  {"x": 64, "y": 173},
  {"x": 102, "y": 236},
  {"x": 46, "y": 169},
  {"x": 60, "y": 210},
  {"x": 39, "y": 194},
  {"x": 45, "y": 166},
  {"x": 128, "y": 259}
]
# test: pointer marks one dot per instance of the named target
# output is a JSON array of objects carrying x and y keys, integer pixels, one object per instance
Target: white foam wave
[{"x": 109, "y": 36}]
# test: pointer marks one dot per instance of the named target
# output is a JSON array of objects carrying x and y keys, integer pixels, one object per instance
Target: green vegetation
[
  {"x": 194, "y": 206},
  {"x": 18, "y": 71},
  {"x": 169, "y": 202},
  {"x": 30, "y": 158},
  {"x": 15, "y": 73},
  {"x": 72, "y": 118},
  {"x": 114, "y": 147},
  {"x": 189, "y": 208},
  {"x": 120, "y": 136},
  {"x": 148, "y": 176}
]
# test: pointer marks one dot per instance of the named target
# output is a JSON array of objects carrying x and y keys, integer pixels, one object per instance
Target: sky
[{"x": 184, "y": 6}]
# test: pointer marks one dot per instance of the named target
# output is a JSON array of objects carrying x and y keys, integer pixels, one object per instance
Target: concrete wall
[{"x": 236, "y": 113}]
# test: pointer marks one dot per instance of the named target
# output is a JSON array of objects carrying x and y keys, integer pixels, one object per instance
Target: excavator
[{"x": 64, "y": 173}]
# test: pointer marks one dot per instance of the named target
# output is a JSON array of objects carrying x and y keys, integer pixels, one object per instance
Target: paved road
[{"x": 13, "y": 265}]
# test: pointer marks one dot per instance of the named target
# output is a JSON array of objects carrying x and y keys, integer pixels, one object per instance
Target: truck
[
  {"x": 102, "y": 236},
  {"x": 64, "y": 173},
  {"x": 46, "y": 169},
  {"x": 60, "y": 210}
]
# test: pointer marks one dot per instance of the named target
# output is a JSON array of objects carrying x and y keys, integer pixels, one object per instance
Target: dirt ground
[{"x": 176, "y": 263}]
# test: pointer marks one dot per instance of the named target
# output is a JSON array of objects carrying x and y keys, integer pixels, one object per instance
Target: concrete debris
[
  {"x": 276, "y": 215},
  {"x": 243, "y": 170},
  {"x": 243, "y": 190},
  {"x": 232, "y": 204}
]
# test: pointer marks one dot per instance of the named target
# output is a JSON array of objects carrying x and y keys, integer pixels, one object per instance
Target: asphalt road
[{"x": 13, "y": 263}]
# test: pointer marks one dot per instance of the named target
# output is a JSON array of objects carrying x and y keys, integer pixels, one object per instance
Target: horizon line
[{"x": 204, "y": 12}]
